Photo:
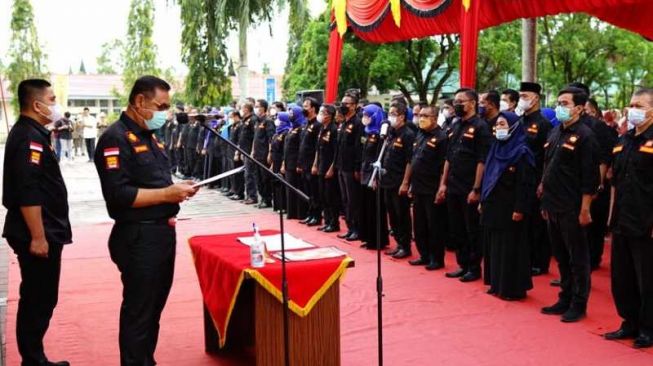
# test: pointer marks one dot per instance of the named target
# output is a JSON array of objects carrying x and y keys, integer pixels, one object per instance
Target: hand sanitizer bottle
[{"x": 257, "y": 250}]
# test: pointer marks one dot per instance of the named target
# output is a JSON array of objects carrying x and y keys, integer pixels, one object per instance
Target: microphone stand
[
  {"x": 377, "y": 174},
  {"x": 284, "y": 279}
]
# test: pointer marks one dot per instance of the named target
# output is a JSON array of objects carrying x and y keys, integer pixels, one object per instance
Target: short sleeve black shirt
[
  {"x": 308, "y": 144},
  {"x": 350, "y": 149},
  {"x": 398, "y": 154},
  {"x": 469, "y": 143},
  {"x": 429, "y": 154},
  {"x": 327, "y": 145}
]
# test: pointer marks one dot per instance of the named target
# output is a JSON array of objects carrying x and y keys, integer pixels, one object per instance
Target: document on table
[
  {"x": 312, "y": 254},
  {"x": 273, "y": 242}
]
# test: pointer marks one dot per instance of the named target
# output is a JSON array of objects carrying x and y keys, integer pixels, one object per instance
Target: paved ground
[{"x": 87, "y": 208}]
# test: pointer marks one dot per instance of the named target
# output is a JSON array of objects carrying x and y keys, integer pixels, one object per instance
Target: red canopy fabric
[{"x": 381, "y": 21}]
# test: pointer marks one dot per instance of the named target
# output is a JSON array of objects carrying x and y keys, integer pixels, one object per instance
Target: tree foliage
[
  {"x": 499, "y": 56},
  {"x": 110, "y": 60},
  {"x": 26, "y": 59},
  {"x": 140, "y": 52}
]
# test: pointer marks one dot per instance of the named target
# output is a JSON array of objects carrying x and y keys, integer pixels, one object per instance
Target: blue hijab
[
  {"x": 376, "y": 115},
  {"x": 297, "y": 119},
  {"x": 504, "y": 154},
  {"x": 284, "y": 126},
  {"x": 225, "y": 128}
]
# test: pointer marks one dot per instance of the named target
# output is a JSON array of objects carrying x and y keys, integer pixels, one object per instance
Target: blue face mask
[
  {"x": 481, "y": 111},
  {"x": 157, "y": 121},
  {"x": 563, "y": 114}
]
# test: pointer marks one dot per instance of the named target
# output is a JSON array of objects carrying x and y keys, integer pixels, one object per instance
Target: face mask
[
  {"x": 320, "y": 118},
  {"x": 524, "y": 104},
  {"x": 503, "y": 106},
  {"x": 366, "y": 120},
  {"x": 416, "y": 120},
  {"x": 277, "y": 123},
  {"x": 305, "y": 112},
  {"x": 55, "y": 112},
  {"x": 636, "y": 116},
  {"x": 502, "y": 134},
  {"x": 481, "y": 111},
  {"x": 446, "y": 113},
  {"x": 441, "y": 119},
  {"x": 563, "y": 114},
  {"x": 157, "y": 121},
  {"x": 393, "y": 121},
  {"x": 459, "y": 110},
  {"x": 344, "y": 110},
  {"x": 273, "y": 112}
]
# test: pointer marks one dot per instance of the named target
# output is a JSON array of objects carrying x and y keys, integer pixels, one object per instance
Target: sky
[{"x": 74, "y": 30}]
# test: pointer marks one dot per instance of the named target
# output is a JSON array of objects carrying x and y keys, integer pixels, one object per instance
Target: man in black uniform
[
  {"x": 140, "y": 196},
  {"x": 489, "y": 108},
  {"x": 36, "y": 225},
  {"x": 537, "y": 129},
  {"x": 307, "y": 150},
  {"x": 245, "y": 142},
  {"x": 425, "y": 172},
  {"x": 509, "y": 100},
  {"x": 323, "y": 168},
  {"x": 394, "y": 182},
  {"x": 182, "y": 134},
  {"x": 348, "y": 164},
  {"x": 261, "y": 148},
  {"x": 569, "y": 180},
  {"x": 632, "y": 224},
  {"x": 171, "y": 135},
  {"x": 469, "y": 142}
]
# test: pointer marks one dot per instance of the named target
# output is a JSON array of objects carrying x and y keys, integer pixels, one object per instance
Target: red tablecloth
[{"x": 221, "y": 263}]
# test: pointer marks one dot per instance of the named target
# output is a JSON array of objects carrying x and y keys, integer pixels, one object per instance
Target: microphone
[{"x": 384, "y": 130}]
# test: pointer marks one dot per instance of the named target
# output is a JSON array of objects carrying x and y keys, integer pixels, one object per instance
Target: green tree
[
  {"x": 204, "y": 52},
  {"x": 140, "y": 51},
  {"x": 82, "y": 68},
  {"x": 26, "y": 59},
  {"x": 633, "y": 67},
  {"x": 110, "y": 60},
  {"x": 499, "y": 56}
]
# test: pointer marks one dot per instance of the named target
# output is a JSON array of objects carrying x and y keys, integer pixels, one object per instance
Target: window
[{"x": 104, "y": 103}]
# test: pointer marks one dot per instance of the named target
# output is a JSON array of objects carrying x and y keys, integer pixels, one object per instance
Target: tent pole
[{"x": 529, "y": 50}]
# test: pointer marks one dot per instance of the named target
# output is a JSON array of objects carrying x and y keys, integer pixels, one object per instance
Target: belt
[{"x": 172, "y": 221}]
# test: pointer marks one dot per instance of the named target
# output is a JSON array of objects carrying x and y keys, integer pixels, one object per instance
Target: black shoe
[
  {"x": 417, "y": 262},
  {"x": 401, "y": 254},
  {"x": 455, "y": 274},
  {"x": 555, "y": 283},
  {"x": 345, "y": 235},
  {"x": 306, "y": 220},
  {"x": 264, "y": 205},
  {"x": 558, "y": 308},
  {"x": 535, "y": 271},
  {"x": 573, "y": 315},
  {"x": 250, "y": 201},
  {"x": 314, "y": 222},
  {"x": 321, "y": 228},
  {"x": 491, "y": 291},
  {"x": 470, "y": 276},
  {"x": 371, "y": 246},
  {"x": 331, "y": 229},
  {"x": 434, "y": 266},
  {"x": 391, "y": 251},
  {"x": 643, "y": 341},
  {"x": 353, "y": 237},
  {"x": 512, "y": 298},
  {"x": 58, "y": 363},
  {"x": 621, "y": 333}
]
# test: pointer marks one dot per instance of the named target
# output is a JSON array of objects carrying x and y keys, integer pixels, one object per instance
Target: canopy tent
[{"x": 380, "y": 21}]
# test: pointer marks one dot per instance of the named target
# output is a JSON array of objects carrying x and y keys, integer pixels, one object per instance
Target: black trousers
[
  {"x": 90, "y": 147},
  {"x": 539, "y": 239},
  {"x": 465, "y": 232},
  {"x": 368, "y": 218},
  {"x": 430, "y": 233},
  {"x": 250, "y": 179},
  {"x": 172, "y": 157},
  {"x": 329, "y": 200},
  {"x": 238, "y": 182},
  {"x": 264, "y": 184},
  {"x": 190, "y": 157},
  {"x": 598, "y": 228},
  {"x": 350, "y": 198},
  {"x": 296, "y": 207},
  {"x": 632, "y": 281},
  {"x": 311, "y": 184},
  {"x": 399, "y": 215},
  {"x": 145, "y": 256},
  {"x": 569, "y": 244},
  {"x": 39, "y": 293},
  {"x": 227, "y": 164},
  {"x": 181, "y": 160}
]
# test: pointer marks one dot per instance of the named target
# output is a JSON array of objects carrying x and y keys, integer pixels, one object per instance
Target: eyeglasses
[{"x": 460, "y": 101}]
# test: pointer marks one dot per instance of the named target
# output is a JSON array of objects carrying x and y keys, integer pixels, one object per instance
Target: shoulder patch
[
  {"x": 132, "y": 137},
  {"x": 35, "y": 146},
  {"x": 35, "y": 157},
  {"x": 617, "y": 149}
]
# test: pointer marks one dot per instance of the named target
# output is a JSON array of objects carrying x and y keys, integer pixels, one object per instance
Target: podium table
[{"x": 243, "y": 309}]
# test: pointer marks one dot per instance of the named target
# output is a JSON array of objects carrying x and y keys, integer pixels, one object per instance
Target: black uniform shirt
[
  {"x": 605, "y": 137},
  {"x": 429, "y": 153},
  {"x": 308, "y": 145},
  {"x": 262, "y": 137},
  {"x": 291, "y": 148},
  {"x": 327, "y": 146},
  {"x": 31, "y": 177},
  {"x": 127, "y": 158},
  {"x": 371, "y": 150},
  {"x": 633, "y": 180},
  {"x": 350, "y": 149},
  {"x": 469, "y": 142},
  {"x": 182, "y": 134},
  {"x": 537, "y": 129},
  {"x": 397, "y": 155},
  {"x": 571, "y": 169},
  {"x": 276, "y": 150},
  {"x": 192, "y": 136},
  {"x": 246, "y": 136}
]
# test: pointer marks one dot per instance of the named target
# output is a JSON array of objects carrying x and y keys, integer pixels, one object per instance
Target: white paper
[
  {"x": 312, "y": 254},
  {"x": 273, "y": 242},
  {"x": 218, "y": 177}
]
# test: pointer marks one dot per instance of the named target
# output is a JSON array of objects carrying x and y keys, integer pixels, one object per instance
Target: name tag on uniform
[
  {"x": 569, "y": 146},
  {"x": 469, "y": 133},
  {"x": 617, "y": 149},
  {"x": 141, "y": 148},
  {"x": 533, "y": 128},
  {"x": 646, "y": 149},
  {"x": 111, "y": 158},
  {"x": 432, "y": 142}
]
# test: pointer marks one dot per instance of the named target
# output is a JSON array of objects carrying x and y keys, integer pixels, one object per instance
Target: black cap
[
  {"x": 581, "y": 86},
  {"x": 527, "y": 86}
]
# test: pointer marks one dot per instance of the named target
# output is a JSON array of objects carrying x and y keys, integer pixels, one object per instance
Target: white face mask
[
  {"x": 277, "y": 123},
  {"x": 503, "y": 106},
  {"x": 366, "y": 120},
  {"x": 446, "y": 113},
  {"x": 524, "y": 104},
  {"x": 441, "y": 119},
  {"x": 55, "y": 112},
  {"x": 273, "y": 112},
  {"x": 416, "y": 120},
  {"x": 636, "y": 116},
  {"x": 393, "y": 121},
  {"x": 320, "y": 118},
  {"x": 502, "y": 134}
]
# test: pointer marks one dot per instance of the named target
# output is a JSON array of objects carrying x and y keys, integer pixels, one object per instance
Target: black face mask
[
  {"x": 305, "y": 112},
  {"x": 182, "y": 118},
  {"x": 344, "y": 110},
  {"x": 459, "y": 110}
]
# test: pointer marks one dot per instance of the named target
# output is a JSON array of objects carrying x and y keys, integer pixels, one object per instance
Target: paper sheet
[{"x": 273, "y": 242}]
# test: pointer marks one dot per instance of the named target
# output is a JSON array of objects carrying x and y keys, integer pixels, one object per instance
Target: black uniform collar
[
  {"x": 573, "y": 127},
  {"x": 532, "y": 116},
  {"x": 133, "y": 126},
  {"x": 34, "y": 124},
  {"x": 647, "y": 135}
]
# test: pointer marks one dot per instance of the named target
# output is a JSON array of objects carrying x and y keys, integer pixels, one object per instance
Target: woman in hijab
[
  {"x": 296, "y": 207},
  {"x": 372, "y": 119},
  {"x": 507, "y": 192},
  {"x": 275, "y": 157}
]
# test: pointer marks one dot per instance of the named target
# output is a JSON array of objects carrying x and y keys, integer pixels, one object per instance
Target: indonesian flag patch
[
  {"x": 35, "y": 151},
  {"x": 111, "y": 158}
]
